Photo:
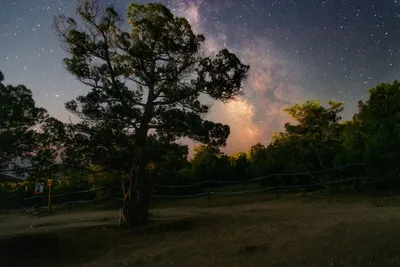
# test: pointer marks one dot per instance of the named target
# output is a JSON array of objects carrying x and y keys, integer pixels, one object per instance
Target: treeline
[{"x": 319, "y": 140}]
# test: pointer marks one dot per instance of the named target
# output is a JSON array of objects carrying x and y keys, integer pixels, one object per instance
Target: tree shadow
[
  {"x": 64, "y": 247},
  {"x": 56, "y": 248}
]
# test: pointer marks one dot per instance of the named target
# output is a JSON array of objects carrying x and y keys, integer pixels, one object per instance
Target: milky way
[{"x": 296, "y": 52}]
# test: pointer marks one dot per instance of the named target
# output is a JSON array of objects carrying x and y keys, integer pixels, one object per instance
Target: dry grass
[{"x": 265, "y": 233}]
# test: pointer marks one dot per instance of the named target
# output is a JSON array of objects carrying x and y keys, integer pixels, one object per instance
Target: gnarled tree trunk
[{"x": 138, "y": 190}]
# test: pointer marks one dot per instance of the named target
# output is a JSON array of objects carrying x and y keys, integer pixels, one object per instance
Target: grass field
[{"x": 285, "y": 232}]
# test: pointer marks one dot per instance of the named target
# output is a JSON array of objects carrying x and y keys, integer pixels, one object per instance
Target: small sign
[
  {"x": 39, "y": 188},
  {"x": 49, "y": 182}
]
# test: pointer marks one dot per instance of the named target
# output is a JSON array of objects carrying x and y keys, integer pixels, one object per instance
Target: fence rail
[
  {"x": 208, "y": 193},
  {"x": 258, "y": 178},
  {"x": 260, "y": 189},
  {"x": 67, "y": 193}
]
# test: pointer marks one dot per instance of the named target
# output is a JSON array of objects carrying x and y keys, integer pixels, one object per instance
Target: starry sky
[{"x": 297, "y": 51}]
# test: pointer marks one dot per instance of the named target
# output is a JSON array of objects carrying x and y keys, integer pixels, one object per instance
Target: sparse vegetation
[{"x": 273, "y": 233}]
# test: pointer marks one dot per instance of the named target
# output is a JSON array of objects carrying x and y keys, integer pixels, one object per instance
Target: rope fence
[
  {"x": 258, "y": 178},
  {"x": 259, "y": 190},
  {"x": 208, "y": 183},
  {"x": 66, "y": 194}
]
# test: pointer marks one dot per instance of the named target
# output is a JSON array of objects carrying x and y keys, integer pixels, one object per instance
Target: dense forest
[{"x": 144, "y": 97}]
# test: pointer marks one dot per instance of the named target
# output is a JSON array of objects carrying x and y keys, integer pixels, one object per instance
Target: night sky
[{"x": 297, "y": 51}]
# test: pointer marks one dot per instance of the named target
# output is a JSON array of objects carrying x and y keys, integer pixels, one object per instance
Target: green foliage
[
  {"x": 27, "y": 139},
  {"x": 18, "y": 115},
  {"x": 210, "y": 164},
  {"x": 111, "y": 181},
  {"x": 239, "y": 164},
  {"x": 374, "y": 132},
  {"x": 11, "y": 187}
]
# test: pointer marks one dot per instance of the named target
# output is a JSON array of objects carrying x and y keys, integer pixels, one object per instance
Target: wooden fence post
[
  {"x": 358, "y": 184},
  {"x": 209, "y": 193},
  {"x": 208, "y": 184},
  {"x": 277, "y": 192},
  {"x": 49, "y": 184}
]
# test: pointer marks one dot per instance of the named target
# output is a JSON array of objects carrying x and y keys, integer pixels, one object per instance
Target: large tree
[
  {"x": 145, "y": 86},
  {"x": 373, "y": 134},
  {"x": 309, "y": 145},
  {"x": 239, "y": 164},
  {"x": 317, "y": 132},
  {"x": 209, "y": 163},
  {"x": 27, "y": 140}
]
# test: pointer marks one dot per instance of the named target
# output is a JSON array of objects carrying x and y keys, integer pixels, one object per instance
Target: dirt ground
[{"x": 274, "y": 233}]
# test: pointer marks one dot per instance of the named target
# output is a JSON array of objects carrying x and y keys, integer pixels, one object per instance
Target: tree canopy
[{"x": 27, "y": 140}]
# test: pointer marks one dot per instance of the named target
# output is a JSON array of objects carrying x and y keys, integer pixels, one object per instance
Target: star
[{"x": 317, "y": 50}]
